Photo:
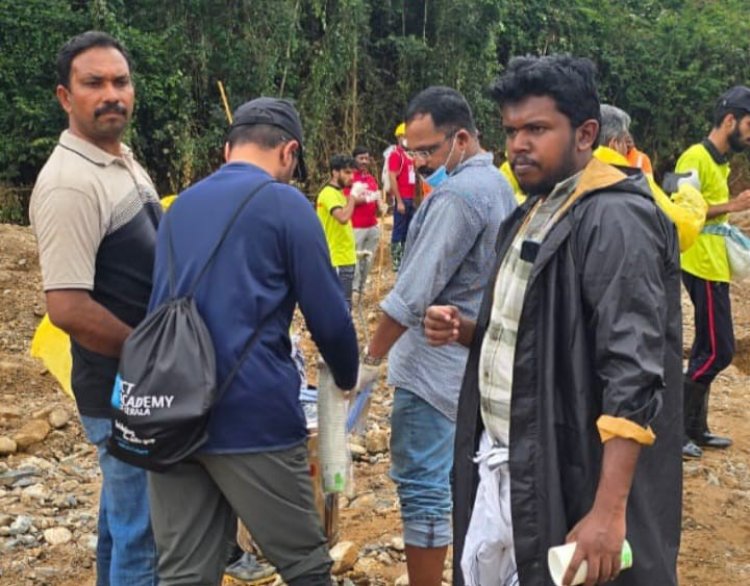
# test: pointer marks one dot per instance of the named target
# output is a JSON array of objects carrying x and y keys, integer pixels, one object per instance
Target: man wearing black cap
[
  {"x": 706, "y": 273},
  {"x": 254, "y": 464}
]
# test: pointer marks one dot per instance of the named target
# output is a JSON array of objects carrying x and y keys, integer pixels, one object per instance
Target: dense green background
[{"x": 353, "y": 64}]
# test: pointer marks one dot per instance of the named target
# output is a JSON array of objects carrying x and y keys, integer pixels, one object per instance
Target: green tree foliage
[
  {"x": 352, "y": 66},
  {"x": 31, "y": 32}
]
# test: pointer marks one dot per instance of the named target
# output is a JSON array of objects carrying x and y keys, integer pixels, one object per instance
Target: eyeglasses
[{"x": 427, "y": 152}]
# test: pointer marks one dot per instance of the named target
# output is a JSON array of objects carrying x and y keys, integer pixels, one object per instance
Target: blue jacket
[{"x": 274, "y": 257}]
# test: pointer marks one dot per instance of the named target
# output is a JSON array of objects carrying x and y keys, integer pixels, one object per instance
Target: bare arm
[
  {"x": 395, "y": 192},
  {"x": 738, "y": 204},
  {"x": 343, "y": 215},
  {"x": 386, "y": 335},
  {"x": 394, "y": 185},
  {"x": 89, "y": 323},
  {"x": 600, "y": 534}
]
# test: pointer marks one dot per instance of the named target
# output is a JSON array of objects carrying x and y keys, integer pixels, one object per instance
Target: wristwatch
[{"x": 370, "y": 360}]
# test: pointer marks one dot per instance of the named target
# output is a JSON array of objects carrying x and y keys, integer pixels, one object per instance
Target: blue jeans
[
  {"x": 125, "y": 550},
  {"x": 401, "y": 222},
  {"x": 346, "y": 278},
  {"x": 421, "y": 462}
]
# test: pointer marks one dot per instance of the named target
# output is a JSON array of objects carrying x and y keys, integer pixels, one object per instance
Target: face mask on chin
[{"x": 436, "y": 177}]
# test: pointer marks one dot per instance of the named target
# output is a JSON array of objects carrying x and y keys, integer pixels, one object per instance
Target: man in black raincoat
[{"x": 569, "y": 421}]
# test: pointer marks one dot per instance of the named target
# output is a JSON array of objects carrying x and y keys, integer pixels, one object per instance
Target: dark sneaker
[
  {"x": 249, "y": 571},
  {"x": 709, "y": 440}
]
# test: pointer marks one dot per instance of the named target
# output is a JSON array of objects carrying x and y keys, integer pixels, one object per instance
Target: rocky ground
[{"x": 49, "y": 482}]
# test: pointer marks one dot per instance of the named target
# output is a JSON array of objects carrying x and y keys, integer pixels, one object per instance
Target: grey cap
[{"x": 274, "y": 112}]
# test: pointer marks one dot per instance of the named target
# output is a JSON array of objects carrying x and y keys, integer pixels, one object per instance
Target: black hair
[
  {"x": 721, "y": 112},
  {"x": 360, "y": 150},
  {"x": 448, "y": 108},
  {"x": 339, "y": 162},
  {"x": 265, "y": 136},
  {"x": 569, "y": 81},
  {"x": 78, "y": 45}
]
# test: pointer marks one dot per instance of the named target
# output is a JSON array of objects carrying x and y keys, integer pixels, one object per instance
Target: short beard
[
  {"x": 566, "y": 168},
  {"x": 736, "y": 143}
]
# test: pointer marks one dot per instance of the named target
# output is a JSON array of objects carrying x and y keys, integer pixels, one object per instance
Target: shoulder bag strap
[
  {"x": 247, "y": 348},
  {"x": 224, "y": 234}
]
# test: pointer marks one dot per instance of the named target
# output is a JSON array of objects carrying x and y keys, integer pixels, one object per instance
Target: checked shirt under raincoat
[{"x": 598, "y": 355}]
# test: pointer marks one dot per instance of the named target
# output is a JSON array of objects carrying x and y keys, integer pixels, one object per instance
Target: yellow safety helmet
[{"x": 400, "y": 130}]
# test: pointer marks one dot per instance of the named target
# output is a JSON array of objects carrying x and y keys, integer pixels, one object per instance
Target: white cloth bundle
[{"x": 488, "y": 558}]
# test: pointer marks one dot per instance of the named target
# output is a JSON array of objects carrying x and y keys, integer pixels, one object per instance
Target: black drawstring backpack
[{"x": 166, "y": 381}]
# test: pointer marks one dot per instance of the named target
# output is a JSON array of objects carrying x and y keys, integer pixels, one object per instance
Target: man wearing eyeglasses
[{"x": 447, "y": 257}]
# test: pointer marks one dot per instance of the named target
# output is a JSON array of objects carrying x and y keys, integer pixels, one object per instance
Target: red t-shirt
[
  {"x": 365, "y": 214},
  {"x": 399, "y": 163}
]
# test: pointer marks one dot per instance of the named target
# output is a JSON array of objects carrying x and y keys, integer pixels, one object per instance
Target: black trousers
[{"x": 713, "y": 346}]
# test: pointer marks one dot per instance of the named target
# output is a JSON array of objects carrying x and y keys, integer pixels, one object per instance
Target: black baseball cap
[
  {"x": 274, "y": 112},
  {"x": 737, "y": 97}
]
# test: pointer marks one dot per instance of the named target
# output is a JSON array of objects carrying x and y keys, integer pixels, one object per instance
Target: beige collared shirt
[{"x": 82, "y": 195}]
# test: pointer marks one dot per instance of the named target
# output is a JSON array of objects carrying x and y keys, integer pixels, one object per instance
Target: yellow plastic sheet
[
  {"x": 52, "y": 346},
  {"x": 686, "y": 208},
  {"x": 511, "y": 177}
]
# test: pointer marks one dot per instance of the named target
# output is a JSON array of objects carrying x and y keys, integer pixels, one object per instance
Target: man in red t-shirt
[
  {"x": 365, "y": 216},
  {"x": 403, "y": 180}
]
